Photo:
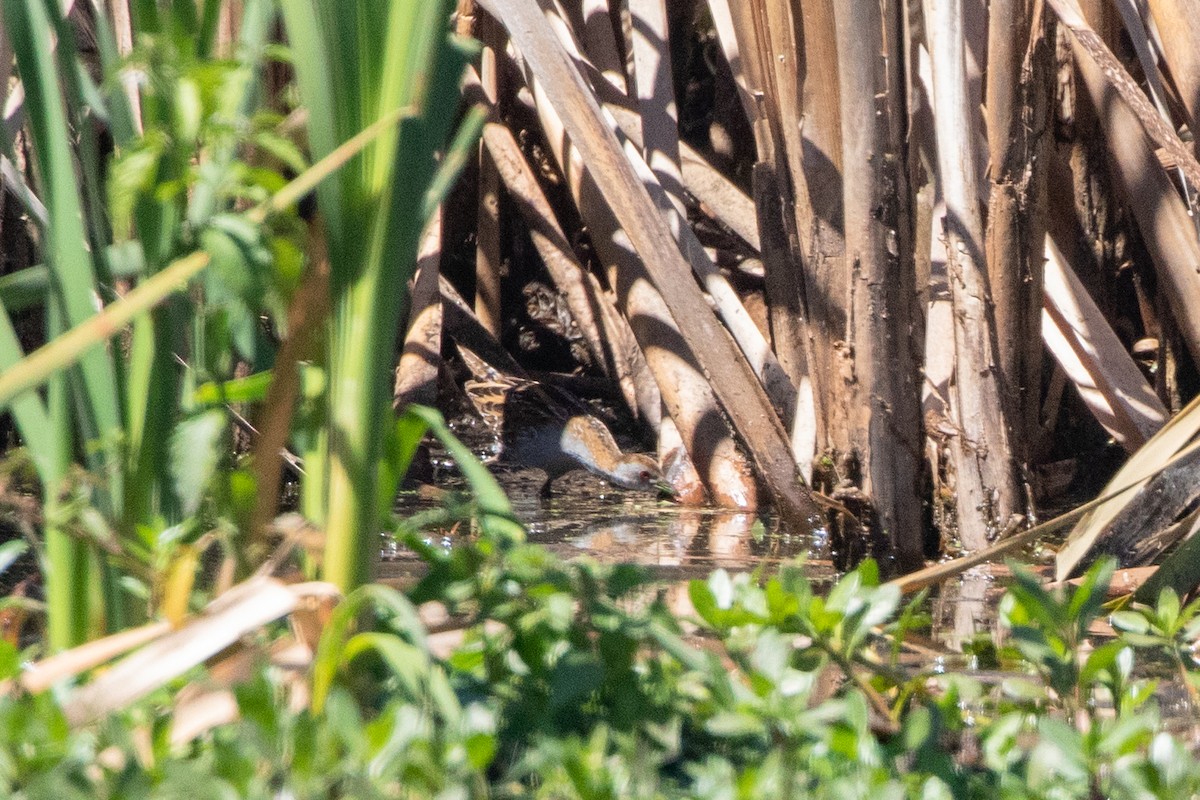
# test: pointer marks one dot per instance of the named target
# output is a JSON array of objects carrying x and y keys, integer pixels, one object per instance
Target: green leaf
[
  {"x": 495, "y": 513},
  {"x": 1090, "y": 595},
  {"x": 401, "y": 616},
  {"x": 460, "y": 151},
  {"x": 1130, "y": 621},
  {"x": 10, "y": 551},
  {"x": 704, "y": 600},
  {"x": 197, "y": 448},
  {"x": 408, "y": 663},
  {"x": 281, "y": 148},
  {"x": 1101, "y": 660},
  {"x": 250, "y": 389},
  {"x": 131, "y": 174},
  {"x": 400, "y": 445},
  {"x": 189, "y": 111},
  {"x": 1167, "y": 608},
  {"x": 240, "y": 257}
]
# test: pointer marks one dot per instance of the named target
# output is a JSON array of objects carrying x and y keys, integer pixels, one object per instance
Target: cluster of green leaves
[
  {"x": 187, "y": 147},
  {"x": 132, "y": 446},
  {"x": 577, "y": 680}
]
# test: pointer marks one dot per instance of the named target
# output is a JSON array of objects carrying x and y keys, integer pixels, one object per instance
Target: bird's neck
[{"x": 588, "y": 441}]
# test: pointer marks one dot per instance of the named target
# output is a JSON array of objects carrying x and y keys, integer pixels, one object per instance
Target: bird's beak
[{"x": 666, "y": 489}]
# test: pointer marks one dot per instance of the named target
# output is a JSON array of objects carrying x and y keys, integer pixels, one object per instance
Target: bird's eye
[{"x": 645, "y": 476}]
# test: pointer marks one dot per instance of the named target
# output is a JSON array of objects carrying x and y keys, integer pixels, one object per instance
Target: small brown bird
[{"x": 538, "y": 425}]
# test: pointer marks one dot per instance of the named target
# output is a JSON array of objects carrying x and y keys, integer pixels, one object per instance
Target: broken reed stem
[
  {"x": 487, "y": 226},
  {"x": 1166, "y": 227},
  {"x": 1017, "y": 104},
  {"x": 1155, "y": 127},
  {"x": 1179, "y": 29},
  {"x": 416, "y": 375},
  {"x": 987, "y": 492},
  {"x": 728, "y": 374},
  {"x": 885, "y": 430}
]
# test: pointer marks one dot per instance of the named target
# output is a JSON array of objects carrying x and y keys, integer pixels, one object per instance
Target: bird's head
[{"x": 638, "y": 471}]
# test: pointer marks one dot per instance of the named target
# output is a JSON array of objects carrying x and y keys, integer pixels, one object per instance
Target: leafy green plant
[
  {"x": 1049, "y": 629},
  {"x": 362, "y": 60},
  {"x": 1167, "y": 627},
  {"x": 152, "y": 456},
  {"x": 158, "y": 475},
  {"x": 577, "y": 680}
]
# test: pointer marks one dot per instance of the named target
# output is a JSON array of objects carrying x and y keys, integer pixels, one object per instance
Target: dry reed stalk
[
  {"x": 1162, "y": 216},
  {"x": 600, "y": 42},
  {"x": 416, "y": 375},
  {"x": 728, "y": 204},
  {"x": 745, "y": 41},
  {"x": 464, "y": 18},
  {"x": 749, "y": 48},
  {"x": 307, "y": 314},
  {"x": 810, "y": 116},
  {"x": 882, "y": 391},
  {"x": 1172, "y": 443},
  {"x": 723, "y": 25},
  {"x": 229, "y": 19},
  {"x": 1095, "y": 360},
  {"x": 1018, "y": 97},
  {"x": 1179, "y": 28},
  {"x": 749, "y": 338},
  {"x": 718, "y": 196},
  {"x": 730, "y": 377},
  {"x": 987, "y": 491},
  {"x": 729, "y": 305},
  {"x": 243, "y": 610},
  {"x": 122, "y": 26},
  {"x": 1139, "y": 38},
  {"x": 683, "y": 388},
  {"x": 678, "y": 468},
  {"x": 654, "y": 93},
  {"x": 776, "y": 26},
  {"x": 591, "y": 309},
  {"x": 488, "y": 226},
  {"x": 1085, "y": 40},
  {"x": 459, "y": 317},
  {"x": 797, "y": 55},
  {"x": 922, "y": 169}
]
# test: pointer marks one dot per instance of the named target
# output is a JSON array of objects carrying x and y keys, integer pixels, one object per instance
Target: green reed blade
[
  {"x": 460, "y": 151},
  {"x": 351, "y": 73},
  {"x": 68, "y": 349},
  {"x": 28, "y": 410},
  {"x": 67, "y": 252},
  {"x": 90, "y": 398}
]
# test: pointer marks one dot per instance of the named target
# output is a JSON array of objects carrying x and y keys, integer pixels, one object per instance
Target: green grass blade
[
  {"x": 36, "y": 368},
  {"x": 67, "y": 253},
  {"x": 74, "y": 345},
  {"x": 366, "y": 315},
  {"x": 495, "y": 512},
  {"x": 306, "y": 32},
  {"x": 65, "y": 569},
  {"x": 83, "y": 101},
  {"x": 28, "y": 411},
  {"x": 458, "y": 154},
  {"x": 27, "y": 288},
  {"x": 120, "y": 115}
]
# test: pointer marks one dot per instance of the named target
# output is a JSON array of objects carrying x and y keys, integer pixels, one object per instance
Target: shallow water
[{"x": 586, "y": 516}]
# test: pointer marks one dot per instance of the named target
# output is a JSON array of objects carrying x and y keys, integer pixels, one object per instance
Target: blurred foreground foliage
[{"x": 576, "y": 680}]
